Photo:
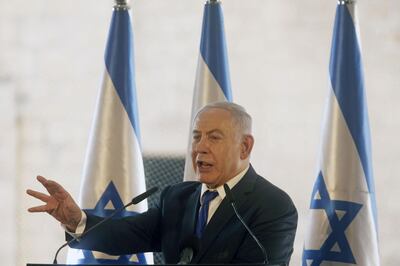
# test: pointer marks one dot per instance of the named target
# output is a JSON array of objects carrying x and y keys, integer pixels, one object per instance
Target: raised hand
[{"x": 59, "y": 203}]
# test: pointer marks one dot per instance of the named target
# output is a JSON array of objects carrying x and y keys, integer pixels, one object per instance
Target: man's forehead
[
  {"x": 213, "y": 119},
  {"x": 215, "y": 114}
]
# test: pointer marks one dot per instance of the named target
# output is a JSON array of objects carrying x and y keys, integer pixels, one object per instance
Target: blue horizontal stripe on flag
[
  {"x": 213, "y": 46},
  {"x": 119, "y": 62}
]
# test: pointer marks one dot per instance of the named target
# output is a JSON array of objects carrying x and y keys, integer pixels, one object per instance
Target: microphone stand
[{"x": 231, "y": 200}]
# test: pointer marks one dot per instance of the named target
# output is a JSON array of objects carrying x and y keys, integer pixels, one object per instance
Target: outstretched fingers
[
  {"x": 42, "y": 208},
  {"x": 54, "y": 189},
  {"x": 39, "y": 195},
  {"x": 50, "y": 205}
]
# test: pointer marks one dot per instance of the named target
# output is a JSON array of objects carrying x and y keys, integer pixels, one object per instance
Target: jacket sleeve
[{"x": 126, "y": 235}]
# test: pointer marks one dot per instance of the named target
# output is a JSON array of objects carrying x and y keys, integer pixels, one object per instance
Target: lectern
[
  {"x": 236, "y": 264},
  {"x": 252, "y": 264}
]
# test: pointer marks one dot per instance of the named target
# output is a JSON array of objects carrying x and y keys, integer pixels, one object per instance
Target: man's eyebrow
[
  {"x": 195, "y": 131},
  {"x": 215, "y": 131}
]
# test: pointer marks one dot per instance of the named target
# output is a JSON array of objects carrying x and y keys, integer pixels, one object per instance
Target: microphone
[
  {"x": 232, "y": 201},
  {"x": 142, "y": 196},
  {"x": 189, "y": 248},
  {"x": 134, "y": 201}
]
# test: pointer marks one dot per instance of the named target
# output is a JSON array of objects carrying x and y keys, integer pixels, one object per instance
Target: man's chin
[
  {"x": 203, "y": 178},
  {"x": 206, "y": 179}
]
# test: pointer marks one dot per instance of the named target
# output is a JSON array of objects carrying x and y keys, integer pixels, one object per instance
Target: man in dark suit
[{"x": 221, "y": 147}]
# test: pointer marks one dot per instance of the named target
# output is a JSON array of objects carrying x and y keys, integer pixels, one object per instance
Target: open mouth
[{"x": 202, "y": 165}]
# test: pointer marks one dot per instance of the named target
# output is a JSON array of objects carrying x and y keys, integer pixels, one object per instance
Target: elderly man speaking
[{"x": 221, "y": 147}]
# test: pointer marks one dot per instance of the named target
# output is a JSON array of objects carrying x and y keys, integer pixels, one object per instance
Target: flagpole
[
  {"x": 121, "y": 5},
  {"x": 345, "y": 2}
]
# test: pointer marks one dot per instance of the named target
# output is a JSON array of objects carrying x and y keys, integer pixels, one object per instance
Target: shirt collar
[{"x": 231, "y": 183}]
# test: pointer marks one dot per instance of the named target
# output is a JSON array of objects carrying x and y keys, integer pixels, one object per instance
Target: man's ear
[{"x": 246, "y": 146}]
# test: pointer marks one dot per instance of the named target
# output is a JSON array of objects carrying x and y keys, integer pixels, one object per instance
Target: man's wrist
[
  {"x": 76, "y": 230},
  {"x": 74, "y": 222},
  {"x": 72, "y": 228}
]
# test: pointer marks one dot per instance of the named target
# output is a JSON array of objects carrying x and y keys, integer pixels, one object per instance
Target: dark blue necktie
[{"x": 203, "y": 213}]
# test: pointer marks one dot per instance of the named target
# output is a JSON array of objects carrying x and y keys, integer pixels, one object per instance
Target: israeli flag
[
  {"x": 212, "y": 78},
  {"x": 343, "y": 218},
  {"x": 113, "y": 170}
]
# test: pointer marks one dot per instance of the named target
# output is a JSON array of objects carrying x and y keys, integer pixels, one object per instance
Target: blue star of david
[
  {"x": 338, "y": 227},
  {"x": 110, "y": 194}
]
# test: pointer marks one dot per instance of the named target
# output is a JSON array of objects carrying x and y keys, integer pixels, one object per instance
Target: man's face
[{"x": 216, "y": 147}]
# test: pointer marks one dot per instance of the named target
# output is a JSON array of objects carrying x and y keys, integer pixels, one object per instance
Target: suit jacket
[{"x": 267, "y": 210}]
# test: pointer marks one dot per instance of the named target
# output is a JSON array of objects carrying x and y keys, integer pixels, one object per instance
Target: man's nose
[{"x": 202, "y": 146}]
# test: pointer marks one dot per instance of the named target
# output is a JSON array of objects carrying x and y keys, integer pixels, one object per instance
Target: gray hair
[{"x": 240, "y": 116}]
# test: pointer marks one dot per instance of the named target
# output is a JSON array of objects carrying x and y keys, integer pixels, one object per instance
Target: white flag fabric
[
  {"x": 343, "y": 220},
  {"x": 113, "y": 170},
  {"x": 212, "y": 78}
]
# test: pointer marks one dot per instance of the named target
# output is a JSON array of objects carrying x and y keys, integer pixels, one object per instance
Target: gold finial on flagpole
[{"x": 121, "y": 5}]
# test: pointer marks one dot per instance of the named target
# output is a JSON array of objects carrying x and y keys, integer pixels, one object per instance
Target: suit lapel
[
  {"x": 190, "y": 214},
  {"x": 225, "y": 212}
]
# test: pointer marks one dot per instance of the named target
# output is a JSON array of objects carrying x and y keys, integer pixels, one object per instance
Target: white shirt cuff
[{"x": 79, "y": 229}]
